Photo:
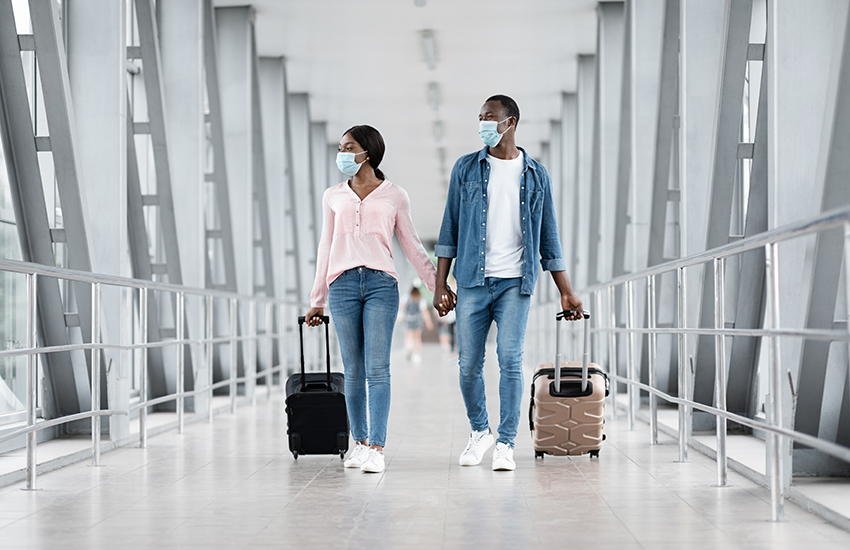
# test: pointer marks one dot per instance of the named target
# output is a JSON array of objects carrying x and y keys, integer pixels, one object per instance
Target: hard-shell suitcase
[
  {"x": 567, "y": 409},
  {"x": 316, "y": 418}
]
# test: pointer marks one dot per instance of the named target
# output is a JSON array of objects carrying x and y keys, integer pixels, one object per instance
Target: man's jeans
[
  {"x": 477, "y": 307},
  {"x": 364, "y": 306}
]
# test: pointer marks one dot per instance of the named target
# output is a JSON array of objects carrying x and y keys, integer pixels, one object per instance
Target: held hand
[
  {"x": 314, "y": 316},
  {"x": 572, "y": 302},
  {"x": 444, "y": 300}
]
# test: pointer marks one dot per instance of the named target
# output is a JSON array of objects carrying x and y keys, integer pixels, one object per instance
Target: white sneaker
[
  {"x": 374, "y": 463},
  {"x": 479, "y": 443},
  {"x": 417, "y": 358},
  {"x": 503, "y": 458},
  {"x": 357, "y": 456}
]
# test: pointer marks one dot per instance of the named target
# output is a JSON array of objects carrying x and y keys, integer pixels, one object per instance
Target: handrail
[
  {"x": 253, "y": 338},
  {"x": 24, "y": 268},
  {"x": 829, "y": 220},
  {"x": 779, "y": 434}
]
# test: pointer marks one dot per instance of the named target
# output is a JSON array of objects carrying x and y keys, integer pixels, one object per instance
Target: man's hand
[
  {"x": 444, "y": 300},
  {"x": 570, "y": 301}
]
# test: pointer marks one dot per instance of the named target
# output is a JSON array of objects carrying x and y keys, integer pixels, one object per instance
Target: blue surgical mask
[
  {"x": 346, "y": 163},
  {"x": 489, "y": 135}
]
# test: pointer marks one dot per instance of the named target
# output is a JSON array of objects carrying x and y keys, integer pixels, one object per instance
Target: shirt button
[{"x": 523, "y": 203}]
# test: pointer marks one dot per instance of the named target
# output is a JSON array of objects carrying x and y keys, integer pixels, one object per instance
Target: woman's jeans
[
  {"x": 477, "y": 307},
  {"x": 364, "y": 305}
]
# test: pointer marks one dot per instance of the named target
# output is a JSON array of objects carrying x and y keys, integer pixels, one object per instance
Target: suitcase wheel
[
  {"x": 539, "y": 454},
  {"x": 295, "y": 455},
  {"x": 594, "y": 454},
  {"x": 342, "y": 455}
]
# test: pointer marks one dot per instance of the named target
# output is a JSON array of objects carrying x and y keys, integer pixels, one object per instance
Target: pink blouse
[{"x": 356, "y": 233}]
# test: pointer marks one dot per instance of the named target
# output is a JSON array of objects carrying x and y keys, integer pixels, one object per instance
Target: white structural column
[
  {"x": 584, "y": 163},
  {"x": 306, "y": 200},
  {"x": 552, "y": 158},
  {"x": 319, "y": 159},
  {"x": 272, "y": 78},
  {"x": 234, "y": 30},
  {"x": 609, "y": 77},
  {"x": 334, "y": 175},
  {"x": 95, "y": 38},
  {"x": 566, "y": 209},
  {"x": 181, "y": 36},
  {"x": 701, "y": 42},
  {"x": 810, "y": 119},
  {"x": 804, "y": 45}
]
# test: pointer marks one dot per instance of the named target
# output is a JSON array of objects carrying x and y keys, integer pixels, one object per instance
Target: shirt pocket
[
  {"x": 470, "y": 192},
  {"x": 536, "y": 201},
  {"x": 377, "y": 218}
]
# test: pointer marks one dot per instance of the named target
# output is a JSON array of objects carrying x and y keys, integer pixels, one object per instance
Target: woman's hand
[{"x": 314, "y": 316}]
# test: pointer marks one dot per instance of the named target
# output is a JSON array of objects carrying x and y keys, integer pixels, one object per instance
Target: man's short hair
[{"x": 509, "y": 104}]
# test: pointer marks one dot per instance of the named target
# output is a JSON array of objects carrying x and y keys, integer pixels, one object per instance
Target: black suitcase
[{"x": 316, "y": 418}]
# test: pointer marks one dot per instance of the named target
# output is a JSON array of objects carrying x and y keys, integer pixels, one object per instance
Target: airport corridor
[{"x": 234, "y": 484}]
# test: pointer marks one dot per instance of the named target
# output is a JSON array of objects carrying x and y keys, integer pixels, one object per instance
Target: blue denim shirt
[{"x": 463, "y": 232}]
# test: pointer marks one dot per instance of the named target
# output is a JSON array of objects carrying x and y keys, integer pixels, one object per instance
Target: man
[{"x": 499, "y": 220}]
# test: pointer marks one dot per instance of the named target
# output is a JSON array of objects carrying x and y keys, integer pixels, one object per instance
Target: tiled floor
[{"x": 234, "y": 484}]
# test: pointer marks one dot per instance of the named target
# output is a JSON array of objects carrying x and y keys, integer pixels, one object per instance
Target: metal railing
[
  {"x": 234, "y": 301},
  {"x": 777, "y": 434}
]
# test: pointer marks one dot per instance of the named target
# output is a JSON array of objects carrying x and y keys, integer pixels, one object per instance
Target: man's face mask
[{"x": 488, "y": 133}]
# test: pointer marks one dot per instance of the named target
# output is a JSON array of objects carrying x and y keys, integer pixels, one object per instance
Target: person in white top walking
[{"x": 498, "y": 222}]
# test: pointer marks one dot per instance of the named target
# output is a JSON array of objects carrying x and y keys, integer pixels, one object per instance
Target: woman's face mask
[{"x": 347, "y": 164}]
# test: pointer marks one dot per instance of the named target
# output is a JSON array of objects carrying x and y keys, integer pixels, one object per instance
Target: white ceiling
[{"x": 362, "y": 62}]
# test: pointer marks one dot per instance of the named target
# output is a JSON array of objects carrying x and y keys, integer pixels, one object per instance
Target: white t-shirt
[{"x": 504, "y": 232}]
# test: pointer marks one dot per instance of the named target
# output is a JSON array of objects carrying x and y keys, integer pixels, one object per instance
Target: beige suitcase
[{"x": 567, "y": 410}]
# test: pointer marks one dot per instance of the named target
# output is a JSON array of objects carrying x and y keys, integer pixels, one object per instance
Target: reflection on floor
[{"x": 234, "y": 484}]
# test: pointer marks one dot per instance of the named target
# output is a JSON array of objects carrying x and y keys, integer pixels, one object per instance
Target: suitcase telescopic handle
[
  {"x": 585, "y": 359},
  {"x": 326, "y": 321}
]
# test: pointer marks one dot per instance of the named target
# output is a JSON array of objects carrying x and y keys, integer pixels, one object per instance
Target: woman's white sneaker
[
  {"x": 357, "y": 456},
  {"x": 479, "y": 443},
  {"x": 503, "y": 457},
  {"x": 374, "y": 463}
]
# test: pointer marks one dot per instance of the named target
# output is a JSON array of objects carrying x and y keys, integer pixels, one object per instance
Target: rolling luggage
[
  {"x": 567, "y": 409},
  {"x": 316, "y": 418}
]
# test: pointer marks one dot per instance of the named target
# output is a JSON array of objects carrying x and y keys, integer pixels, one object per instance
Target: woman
[{"x": 356, "y": 279}]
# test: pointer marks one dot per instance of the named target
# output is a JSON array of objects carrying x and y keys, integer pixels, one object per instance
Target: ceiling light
[
  {"x": 434, "y": 95},
  {"x": 419, "y": 3},
  {"x": 429, "y": 46},
  {"x": 438, "y": 131}
]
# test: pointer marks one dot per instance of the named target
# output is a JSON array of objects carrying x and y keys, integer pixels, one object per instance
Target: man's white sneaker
[
  {"x": 479, "y": 443},
  {"x": 357, "y": 456},
  {"x": 374, "y": 463},
  {"x": 503, "y": 458}
]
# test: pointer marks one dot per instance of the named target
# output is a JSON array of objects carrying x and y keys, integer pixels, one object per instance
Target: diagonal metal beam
[
  {"x": 667, "y": 100},
  {"x": 31, "y": 216},
  {"x": 219, "y": 175},
  {"x": 624, "y": 160},
  {"x": 50, "y": 51},
  {"x": 261, "y": 200},
  {"x": 749, "y": 309},
  {"x": 140, "y": 257},
  {"x": 738, "y": 18},
  {"x": 154, "y": 95}
]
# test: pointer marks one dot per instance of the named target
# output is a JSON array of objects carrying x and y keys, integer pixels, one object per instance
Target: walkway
[{"x": 235, "y": 485}]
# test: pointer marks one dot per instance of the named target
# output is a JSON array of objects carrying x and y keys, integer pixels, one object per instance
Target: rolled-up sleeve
[
  {"x": 446, "y": 246},
  {"x": 551, "y": 255}
]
